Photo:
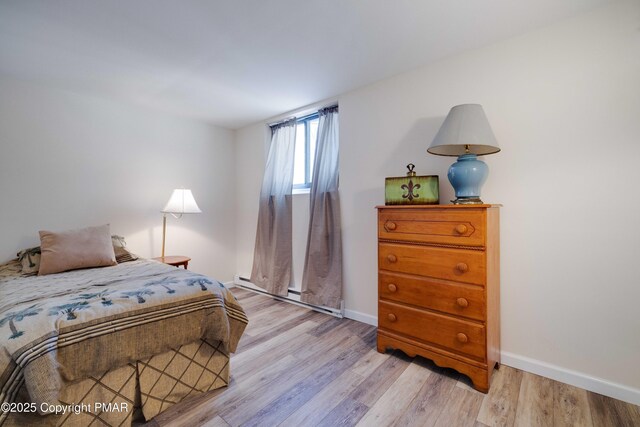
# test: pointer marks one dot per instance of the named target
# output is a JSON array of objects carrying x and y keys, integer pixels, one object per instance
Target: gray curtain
[
  {"x": 272, "y": 255},
  {"x": 322, "y": 276}
]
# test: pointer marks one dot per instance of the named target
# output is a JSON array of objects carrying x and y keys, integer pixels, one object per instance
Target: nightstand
[{"x": 176, "y": 261}]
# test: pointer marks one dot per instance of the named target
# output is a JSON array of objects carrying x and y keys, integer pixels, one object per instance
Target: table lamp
[
  {"x": 181, "y": 202},
  {"x": 466, "y": 133}
]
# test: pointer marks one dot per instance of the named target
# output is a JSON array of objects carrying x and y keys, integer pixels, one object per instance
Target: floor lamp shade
[
  {"x": 181, "y": 202},
  {"x": 466, "y": 133}
]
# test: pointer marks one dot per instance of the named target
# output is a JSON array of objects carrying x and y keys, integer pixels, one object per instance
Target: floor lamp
[{"x": 181, "y": 202}]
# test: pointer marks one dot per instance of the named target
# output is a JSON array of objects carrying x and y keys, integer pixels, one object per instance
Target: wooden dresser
[{"x": 439, "y": 285}]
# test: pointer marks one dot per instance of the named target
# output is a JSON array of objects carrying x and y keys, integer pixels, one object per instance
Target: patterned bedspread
[{"x": 60, "y": 328}]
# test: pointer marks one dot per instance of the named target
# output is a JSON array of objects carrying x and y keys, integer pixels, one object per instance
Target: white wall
[
  {"x": 251, "y": 154},
  {"x": 564, "y": 103},
  {"x": 68, "y": 161}
]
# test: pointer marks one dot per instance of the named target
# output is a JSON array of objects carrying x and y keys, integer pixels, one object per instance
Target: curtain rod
[{"x": 279, "y": 122}]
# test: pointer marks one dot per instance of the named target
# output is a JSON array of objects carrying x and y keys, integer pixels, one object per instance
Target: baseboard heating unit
[{"x": 293, "y": 297}]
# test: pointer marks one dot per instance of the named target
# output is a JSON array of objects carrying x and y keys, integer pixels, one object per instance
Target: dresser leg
[
  {"x": 480, "y": 382},
  {"x": 384, "y": 344}
]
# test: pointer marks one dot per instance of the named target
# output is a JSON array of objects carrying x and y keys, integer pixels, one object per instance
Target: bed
[{"x": 111, "y": 345}]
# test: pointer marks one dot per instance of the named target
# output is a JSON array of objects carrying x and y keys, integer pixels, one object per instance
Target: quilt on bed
[{"x": 64, "y": 328}]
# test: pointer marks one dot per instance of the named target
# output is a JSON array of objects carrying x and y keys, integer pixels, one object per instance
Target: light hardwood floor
[{"x": 297, "y": 367}]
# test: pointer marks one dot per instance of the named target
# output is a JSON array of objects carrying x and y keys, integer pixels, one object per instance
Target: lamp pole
[{"x": 164, "y": 231}]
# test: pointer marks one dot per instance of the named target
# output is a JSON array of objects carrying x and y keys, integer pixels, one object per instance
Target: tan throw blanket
[{"x": 64, "y": 327}]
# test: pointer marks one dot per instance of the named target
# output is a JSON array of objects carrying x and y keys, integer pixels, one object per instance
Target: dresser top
[{"x": 483, "y": 206}]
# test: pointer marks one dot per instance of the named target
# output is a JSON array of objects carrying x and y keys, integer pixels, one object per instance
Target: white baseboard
[
  {"x": 361, "y": 317},
  {"x": 574, "y": 378},
  {"x": 231, "y": 284}
]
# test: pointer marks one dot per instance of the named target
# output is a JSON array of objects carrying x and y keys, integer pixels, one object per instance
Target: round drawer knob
[
  {"x": 462, "y": 302},
  {"x": 392, "y": 287},
  {"x": 462, "y": 267},
  {"x": 462, "y": 337},
  {"x": 461, "y": 229},
  {"x": 390, "y": 226},
  {"x": 392, "y": 317},
  {"x": 392, "y": 258}
]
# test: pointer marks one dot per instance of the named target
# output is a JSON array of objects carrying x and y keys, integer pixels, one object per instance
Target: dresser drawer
[
  {"x": 461, "y": 300},
  {"x": 454, "y": 334},
  {"x": 451, "y": 227},
  {"x": 461, "y": 265}
]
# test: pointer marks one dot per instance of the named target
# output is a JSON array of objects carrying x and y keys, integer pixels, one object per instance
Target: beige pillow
[
  {"x": 73, "y": 249},
  {"x": 30, "y": 258}
]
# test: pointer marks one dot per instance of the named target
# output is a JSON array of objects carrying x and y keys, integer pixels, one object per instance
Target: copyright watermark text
[{"x": 74, "y": 408}]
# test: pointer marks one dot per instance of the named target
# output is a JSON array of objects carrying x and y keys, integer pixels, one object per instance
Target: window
[{"x": 305, "y": 151}]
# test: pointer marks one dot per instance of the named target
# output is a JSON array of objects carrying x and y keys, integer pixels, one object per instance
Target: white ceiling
[{"x": 236, "y": 62}]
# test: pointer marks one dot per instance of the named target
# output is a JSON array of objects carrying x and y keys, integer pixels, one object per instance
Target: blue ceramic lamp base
[{"x": 467, "y": 176}]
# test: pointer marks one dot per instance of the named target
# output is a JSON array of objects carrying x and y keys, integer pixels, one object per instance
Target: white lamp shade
[
  {"x": 466, "y": 130},
  {"x": 181, "y": 202}
]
